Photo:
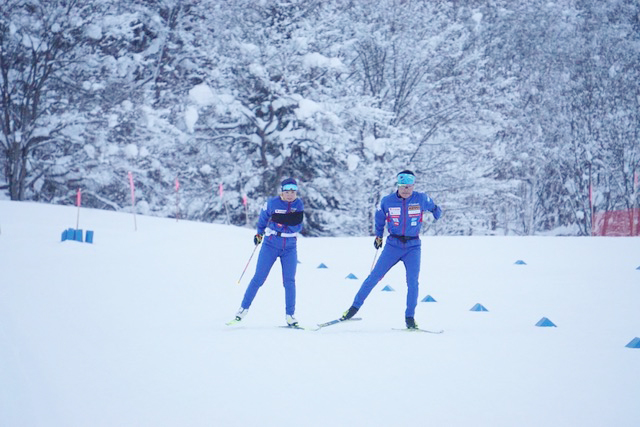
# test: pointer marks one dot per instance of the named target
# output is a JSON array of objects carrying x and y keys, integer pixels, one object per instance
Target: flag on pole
[
  {"x": 634, "y": 223},
  {"x": 78, "y": 203},
  {"x": 246, "y": 208},
  {"x": 133, "y": 191},
  {"x": 133, "y": 201},
  {"x": 220, "y": 190},
  {"x": 177, "y": 199}
]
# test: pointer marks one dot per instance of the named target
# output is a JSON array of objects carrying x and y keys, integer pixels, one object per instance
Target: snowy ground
[{"x": 129, "y": 331}]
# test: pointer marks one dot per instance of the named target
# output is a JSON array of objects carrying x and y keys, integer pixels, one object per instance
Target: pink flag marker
[
  {"x": 220, "y": 190},
  {"x": 78, "y": 203},
  {"x": 133, "y": 194},
  {"x": 246, "y": 208},
  {"x": 133, "y": 201},
  {"x": 177, "y": 199}
]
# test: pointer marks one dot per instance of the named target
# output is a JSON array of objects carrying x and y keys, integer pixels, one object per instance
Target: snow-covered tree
[
  {"x": 506, "y": 110},
  {"x": 41, "y": 47}
]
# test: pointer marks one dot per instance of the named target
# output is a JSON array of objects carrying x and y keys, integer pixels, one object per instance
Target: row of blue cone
[
  {"x": 352, "y": 276},
  {"x": 76, "y": 235},
  {"x": 544, "y": 322}
]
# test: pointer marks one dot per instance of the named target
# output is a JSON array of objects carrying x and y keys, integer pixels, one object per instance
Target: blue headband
[
  {"x": 406, "y": 179},
  {"x": 289, "y": 187}
]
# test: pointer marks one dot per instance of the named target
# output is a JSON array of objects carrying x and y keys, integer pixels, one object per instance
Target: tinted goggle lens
[{"x": 406, "y": 179}]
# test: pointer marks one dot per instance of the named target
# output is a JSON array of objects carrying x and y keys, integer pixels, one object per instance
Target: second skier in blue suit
[
  {"x": 279, "y": 223},
  {"x": 402, "y": 212}
]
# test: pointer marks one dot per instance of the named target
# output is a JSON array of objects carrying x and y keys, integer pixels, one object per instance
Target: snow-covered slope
[{"x": 129, "y": 330}]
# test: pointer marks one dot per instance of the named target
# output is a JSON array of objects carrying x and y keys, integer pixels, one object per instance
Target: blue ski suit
[
  {"x": 279, "y": 221},
  {"x": 404, "y": 220}
]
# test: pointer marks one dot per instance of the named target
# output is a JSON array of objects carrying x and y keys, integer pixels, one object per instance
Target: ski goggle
[
  {"x": 406, "y": 179},
  {"x": 289, "y": 187}
]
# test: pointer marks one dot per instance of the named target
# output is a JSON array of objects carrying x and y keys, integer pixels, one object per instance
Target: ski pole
[
  {"x": 245, "y": 267},
  {"x": 374, "y": 259}
]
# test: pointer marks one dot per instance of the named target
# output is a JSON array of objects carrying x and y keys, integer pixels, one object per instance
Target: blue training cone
[
  {"x": 545, "y": 322},
  {"x": 428, "y": 298},
  {"x": 635, "y": 343},
  {"x": 351, "y": 276},
  {"x": 322, "y": 266},
  {"x": 388, "y": 289},
  {"x": 478, "y": 307}
]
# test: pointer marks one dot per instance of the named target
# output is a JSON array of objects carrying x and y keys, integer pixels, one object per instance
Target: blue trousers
[
  {"x": 390, "y": 256},
  {"x": 289, "y": 261}
]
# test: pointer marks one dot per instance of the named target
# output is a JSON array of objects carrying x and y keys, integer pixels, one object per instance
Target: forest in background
[{"x": 511, "y": 113}]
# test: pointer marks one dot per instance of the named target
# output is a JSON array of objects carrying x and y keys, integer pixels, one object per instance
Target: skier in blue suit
[
  {"x": 279, "y": 223},
  {"x": 402, "y": 212}
]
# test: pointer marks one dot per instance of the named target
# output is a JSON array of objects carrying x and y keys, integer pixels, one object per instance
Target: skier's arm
[
  {"x": 380, "y": 219},
  {"x": 263, "y": 219},
  {"x": 429, "y": 205},
  {"x": 289, "y": 218}
]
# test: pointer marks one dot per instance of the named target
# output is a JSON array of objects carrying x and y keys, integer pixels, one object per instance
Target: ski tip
[
  {"x": 336, "y": 321},
  {"x": 294, "y": 327},
  {"x": 418, "y": 330}
]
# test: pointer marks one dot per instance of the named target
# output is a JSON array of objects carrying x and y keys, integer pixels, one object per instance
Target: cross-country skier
[
  {"x": 279, "y": 223},
  {"x": 402, "y": 212}
]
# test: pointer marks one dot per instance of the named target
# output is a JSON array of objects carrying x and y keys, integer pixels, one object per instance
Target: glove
[
  {"x": 437, "y": 213},
  {"x": 377, "y": 243},
  {"x": 257, "y": 239}
]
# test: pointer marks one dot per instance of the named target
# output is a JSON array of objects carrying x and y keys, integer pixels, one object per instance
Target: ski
[
  {"x": 236, "y": 322},
  {"x": 294, "y": 327},
  {"x": 333, "y": 322},
  {"x": 419, "y": 330}
]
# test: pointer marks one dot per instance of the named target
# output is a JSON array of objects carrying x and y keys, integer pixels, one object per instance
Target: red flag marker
[
  {"x": 133, "y": 200},
  {"x": 78, "y": 203},
  {"x": 177, "y": 199}
]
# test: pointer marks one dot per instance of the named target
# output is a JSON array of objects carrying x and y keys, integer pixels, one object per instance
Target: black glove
[
  {"x": 437, "y": 213},
  {"x": 257, "y": 239},
  {"x": 377, "y": 243}
]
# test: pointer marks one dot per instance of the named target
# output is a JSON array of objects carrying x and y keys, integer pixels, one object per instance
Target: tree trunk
[{"x": 17, "y": 170}]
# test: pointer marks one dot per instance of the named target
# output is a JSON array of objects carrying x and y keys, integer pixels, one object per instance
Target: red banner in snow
[{"x": 617, "y": 223}]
